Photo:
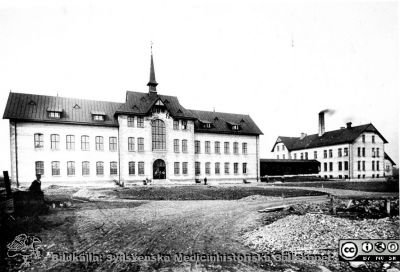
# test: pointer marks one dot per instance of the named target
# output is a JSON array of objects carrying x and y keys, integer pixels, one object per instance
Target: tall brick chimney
[{"x": 321, "y": 123}]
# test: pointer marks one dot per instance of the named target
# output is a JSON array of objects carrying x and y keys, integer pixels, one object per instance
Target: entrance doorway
[{"x": 159, "y": 170}]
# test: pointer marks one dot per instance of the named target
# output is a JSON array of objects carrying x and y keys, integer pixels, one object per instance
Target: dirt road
[{"x": 152, "y": 227}]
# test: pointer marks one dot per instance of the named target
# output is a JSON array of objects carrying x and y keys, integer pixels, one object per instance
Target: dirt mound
[
  {"x": 259, "y": 198},
  {"x": 85, "y": 193}
]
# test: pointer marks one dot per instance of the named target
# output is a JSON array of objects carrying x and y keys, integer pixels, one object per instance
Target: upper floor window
[
  {"x": 184, "y": 124},
  {"x": 131, "y": 144},
  {"x": 373, "y": 139},
  {"x": 131, "y": 121},
  {"x": 235, "y": 127},
  {"x": 363, "y": 138},
  {"x": 176, "y": 124},
  {"x": 55, "y": 141},
  {"x": 99, "y": 143},
  {"x": 363, "y": 151},
  {"x": 140, "y": 142},
  {"x": 244, "y": 168},
  {"x": 330, "y": 153},
  {"x": 184, "y": 146},
  {"x": 339, "y": 152},
  {"x": 377, "y": 152},
  {"x": 346, "y": 151},
  {"x": 301, "y": 156},
  {"x": 196, "y": 147},
  {"x": 217, "y": 168},
  {"x": 359, "y": 152},
  {"x": 373, "y": 152},
  {"x": 184, "y": 168},
  {"x": 217, "y": 147},
  {"x": 85, "y": 142},
  {"x": 236, "y": 168},
  {"x": 226, "y": 147},
  {"x": 97, "y": 117},
  {"x": 176, "y": 145},
  {"x": 277, "y": 148},
  {"x": 141, "y": 168},
  {"x": 176, "y": 168},
  {"x": 54, "y": 114},
  {"x": 227, "y": 168},
  {"x": 315, "y": 154},
  {"x": 235, "y": 148},
  {"x": 305, "y": 154},
  {"x": 207, "y": 147},
  {"x": 158, "y": 134},
  {"x": 38, "y": 140},
  {"x": 244, "y": 148},
  {"x": 113, "y": 144},
  {"x": 208, "y": 168},
  {"x": 197, "y": 168},
  {"x": 140, "y": 122},
  {"x": 295, "y": 156},
  {"x": 70, "y": 142},
  {"x": 283, "y": 148},
  {"x": 131, "y": 168},
  {"x": 325, "y": 154}
]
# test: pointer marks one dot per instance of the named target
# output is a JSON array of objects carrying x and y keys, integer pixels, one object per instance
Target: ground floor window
[
  {"x": 85, "y": 168},
  {"x": 217, "y": 168},
  {"x": 227, "y": 168},
  {"x": 131, "y": 168},
  {"x": 39, "y": 168},
  {"x": 71, "y": 168},
  {"x": 113, "y": 168},
  {"x": 235, "y": 168},
  {"x": 141, "y": 168},
  {"x": 197, "y": 168},
  {"x": 55, "y": 168},
  {"x": 99, "y": 168},
  {"x": 184, "y": 168},
  {"x": 208, "y": 171},
  {"x": 176, "y": 168},
  {"x": 244, "y": 168}
]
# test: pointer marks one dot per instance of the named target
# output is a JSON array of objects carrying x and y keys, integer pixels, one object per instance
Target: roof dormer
[
  {"x": 98, "y": 115},
  {"x": 54, "y": 112}
]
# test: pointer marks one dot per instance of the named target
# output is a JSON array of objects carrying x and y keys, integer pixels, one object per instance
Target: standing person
[
  {"x": 205, "y": 181},
  {"x": 36, "y": 184}
]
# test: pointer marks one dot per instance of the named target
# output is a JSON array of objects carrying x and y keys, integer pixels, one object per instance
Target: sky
[{"x": 281, "y": 62}]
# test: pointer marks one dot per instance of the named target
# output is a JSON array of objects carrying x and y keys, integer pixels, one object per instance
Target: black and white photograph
[{"x": 223, "y": 135}]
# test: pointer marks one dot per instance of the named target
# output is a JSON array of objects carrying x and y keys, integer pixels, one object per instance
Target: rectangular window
[
  {"x": 325, "y": 154},
  {"x": 141, "y": 168},
  {"x": 113, "y": 143},
  {"x": 235, "y": 148},
  {"x": 331, "y": 166},
  {"x": 340, "y": 166},
  {"x": 283, "y": 156},
  {"x": 113, "y": 168},
  {"x": 227, "y": 168},
  {"x": 330, "y": 153},
  {"x": 236, "y": 168},
  {"x": 217, "y": 168},
  {"x": 373, "y": 165},
  {"x": 346, "y": 165},
  {"x": 244, "y": 168},
  {"x": 85, "y": 142},
  {"x": 283, "y": 148},
  {"x": 208, "y": 171},
  {"x": 176, "y": 168},
  {"x": 176, "y": 145},
  {"x": 39, "y": 168},
  {"x": 363, "y": 165},
  {"x": 196, "y": 147},
  {"x": 70, "y": 142},
  {"x": 295, "y": 156},
  {"x": 359, "y": 152},
  {"x": 363, "y": 138},
  {"x": 377, "y": 165},
  {"x": 377, "y": 152},
  {"x": 140, "y": 144},
  {"x": 373, "y": 152},
  {"x": 315, "y": 155},
  {"x": 85, "y": 168},
  {"x": 346, "y": 151},
  {"x": 131, "y": 143},
  {"x": 131, "y": 121},
  {"x": 217, "y": 148},
  {"x": 305, "y": 154},
  {"x": 176, "y": 124},
  {"x": 184, "y": 146},
  {"x": 197, "y": 168},
  {"x": 208, "y": 147},
  {"x": 99, "y": 143},
  {"x": 140, "y": 122},
  {"x": 54, "y": 114},
  {"x": 184, "y": 124},
  {"x": 277, "y": 148},
  {"x": 184, "y": 168},
  {"x": 373, "y": 139},
  {"x": 71, "y": 168},
  {"x": 38, "y": 140},
  {"x": 359, "y": 165},
  {"x": 301, "y": 156},
  {"x": 55, "y": 168},
  {"x": 325, "y": 166},
  {"x": 226, "y": 147},
  {"x": 131, "y": 168},
  {"x": 339, "y": 152},
  {"x": 99, "y": 168},
  {"x": 244, "y": 148},
  {"x": 55, "y": 141},
  {"x": 363, "y": 151}
]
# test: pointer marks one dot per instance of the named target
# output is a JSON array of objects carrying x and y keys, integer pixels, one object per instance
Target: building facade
[
  {"x": 351, "y": 152},
  {"x": 86, "y": 142}
]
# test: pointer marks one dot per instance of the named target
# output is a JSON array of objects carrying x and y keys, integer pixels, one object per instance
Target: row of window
[
  {"x": 372, "y": 138},
  {"x": 341, "y": 166},
  {"x": 346, "y": 176},
  {"x": 71, "y": 168},
  {"x": 341, "y": 152},
  {"x": 139, "y": 121},
  {"x": 375, "y": 166},
  {"x": 361, "y": 152},
  {"x": 217, "y": 149},
  {"x": 217, "y": 170}
]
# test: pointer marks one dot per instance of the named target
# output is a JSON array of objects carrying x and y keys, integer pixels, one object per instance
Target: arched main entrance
[{"x": 159, "y": 170}]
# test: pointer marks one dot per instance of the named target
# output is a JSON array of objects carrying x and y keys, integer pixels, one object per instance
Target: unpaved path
[{"x": 166, "y": 227}]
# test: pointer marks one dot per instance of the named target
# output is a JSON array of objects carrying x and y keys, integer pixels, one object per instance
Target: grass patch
[
  {"x": 205, "y": 192},
  {"x": 369, "y": 186}
]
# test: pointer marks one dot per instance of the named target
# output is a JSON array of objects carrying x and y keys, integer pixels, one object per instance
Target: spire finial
[{"x": 152, "y": 82}]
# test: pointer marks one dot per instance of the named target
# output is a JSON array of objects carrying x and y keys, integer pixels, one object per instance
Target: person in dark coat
[
  {"x": 205, "y": 181},
  {"x": 36, "y": 184}
]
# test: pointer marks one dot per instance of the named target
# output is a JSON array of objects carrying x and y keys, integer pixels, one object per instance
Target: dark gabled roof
[
  {"x": 32, "y": 107},
  {"x": 389, "y": 159},
  {"x": 334, "y": 137},
  {"x": 141, "y": 103},
  {"x": 221, "y": 123},
  {"x": 287, "y": 161}
]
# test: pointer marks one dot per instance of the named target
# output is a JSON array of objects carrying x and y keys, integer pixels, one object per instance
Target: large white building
[
  {"x": 76, "y": 141},
  {"x": 351, "y": 152}
]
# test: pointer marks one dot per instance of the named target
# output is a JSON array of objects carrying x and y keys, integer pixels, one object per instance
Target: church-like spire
[{"x": 152, "y": 82}]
